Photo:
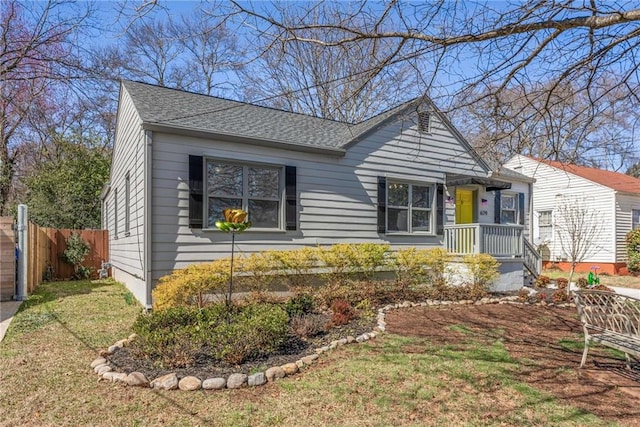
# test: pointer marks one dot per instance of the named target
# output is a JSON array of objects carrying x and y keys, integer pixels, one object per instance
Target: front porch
[{"x": 504, "y": 242}]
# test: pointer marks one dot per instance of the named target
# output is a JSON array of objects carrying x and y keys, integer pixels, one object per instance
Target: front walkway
[{"x": 7, "y": 310}]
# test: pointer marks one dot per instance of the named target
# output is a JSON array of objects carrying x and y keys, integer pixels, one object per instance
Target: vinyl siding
[
  {"x": 337, "y": 197},
  {"x": 127, "y": 251},
  {"x": 625, "y": 203},
  {"x": 551, "y": 182}
]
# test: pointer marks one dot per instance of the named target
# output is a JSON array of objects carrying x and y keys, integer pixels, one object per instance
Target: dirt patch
[{"x": 545, "y": 339}]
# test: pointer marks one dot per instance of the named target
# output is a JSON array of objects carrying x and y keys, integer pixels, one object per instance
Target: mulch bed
[
  {"x": 294, "y": 348},
  {"x": 603, "y": 387}
]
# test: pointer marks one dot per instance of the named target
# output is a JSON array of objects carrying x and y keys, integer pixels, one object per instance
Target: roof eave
[{"x": 199, "y": 133}]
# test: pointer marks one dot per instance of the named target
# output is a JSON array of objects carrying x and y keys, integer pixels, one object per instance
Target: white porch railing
[{"x": 498, "y": 240}]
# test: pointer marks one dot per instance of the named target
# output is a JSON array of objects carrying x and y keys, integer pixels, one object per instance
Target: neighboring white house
[
  {"x": 405, "y": 177},
  {"x": 611, "y": 199}
]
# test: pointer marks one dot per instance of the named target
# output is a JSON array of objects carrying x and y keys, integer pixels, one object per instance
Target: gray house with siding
[{"x": 405, "y": 177}]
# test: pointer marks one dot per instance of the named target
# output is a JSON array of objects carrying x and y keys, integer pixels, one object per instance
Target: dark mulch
[{"x": 294, "y": 348}]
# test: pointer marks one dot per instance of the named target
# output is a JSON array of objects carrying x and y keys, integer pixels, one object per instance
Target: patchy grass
[
  {"x": 621, "y": 281},
  {"x": 46, "y": 379}
]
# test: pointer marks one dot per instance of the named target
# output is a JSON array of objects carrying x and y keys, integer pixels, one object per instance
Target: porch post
[{"x": 479, "y": 247}]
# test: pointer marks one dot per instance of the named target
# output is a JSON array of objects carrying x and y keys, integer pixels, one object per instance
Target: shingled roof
[
  {"x": 614, "y": 180},
  {"x": 187, "y": 111}
]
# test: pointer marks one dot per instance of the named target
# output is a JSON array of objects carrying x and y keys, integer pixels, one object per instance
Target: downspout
[{"x": 147, "y": 223}]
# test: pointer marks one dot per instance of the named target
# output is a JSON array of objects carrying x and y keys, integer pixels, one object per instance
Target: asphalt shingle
[{"x": 186, "y": 110}]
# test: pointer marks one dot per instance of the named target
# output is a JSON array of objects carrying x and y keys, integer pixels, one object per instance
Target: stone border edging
[{"x": 170, "y": 381}]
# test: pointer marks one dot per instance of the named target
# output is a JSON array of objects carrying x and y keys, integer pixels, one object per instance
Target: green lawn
[{"x": 46, "y": 380}]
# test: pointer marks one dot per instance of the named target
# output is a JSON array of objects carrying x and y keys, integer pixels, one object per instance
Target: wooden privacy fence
[
  {"x": 46, "y": 253},
  {"x": 7, "y": 259}
]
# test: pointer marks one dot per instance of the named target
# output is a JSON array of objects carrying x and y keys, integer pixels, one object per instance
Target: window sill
[
  {"x": 405, "y": 234},
  {"x": 249, "y": 231}
]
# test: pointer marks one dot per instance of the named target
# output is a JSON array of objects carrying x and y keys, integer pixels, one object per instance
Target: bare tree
[
  {"x": 577, "y": 225},
  {"x": 478, "y": 51},
  {"x": 563, "y": 126},
  {"x": 194, "y": 52},
  {"x": 36, "y": 46},
  {"x": 342, "y": 83}
]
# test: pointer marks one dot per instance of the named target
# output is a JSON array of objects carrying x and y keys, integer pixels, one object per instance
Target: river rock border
[{"x": 171, "y": 381}]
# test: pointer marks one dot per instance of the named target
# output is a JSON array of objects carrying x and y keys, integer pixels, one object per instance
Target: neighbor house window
[
  {"x": 508, "y": 209},
  {"x": 127, "y": 202},
  {"x": 410, "y": 207},
  {"x": 254, "y": 188},
  {"x": 545, "y": 225},
  {"x": 635, "y": 219}
]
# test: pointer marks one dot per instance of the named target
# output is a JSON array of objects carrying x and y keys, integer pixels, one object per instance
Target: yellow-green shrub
[
  {"x": 336, "y": 262},
  {"x": 409, "y": 266},
  {"x": 188, "y": 286},
  {"x": 367, "y": 258},
  {"x": 437, "y": 260},
  {"x": 483, "y": 269},
  {"x": 257, "y": 271},
  {"x": 294, "y": 267}
]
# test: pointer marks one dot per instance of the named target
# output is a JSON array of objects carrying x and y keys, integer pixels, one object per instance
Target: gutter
[{"x": 147, "y": 223}]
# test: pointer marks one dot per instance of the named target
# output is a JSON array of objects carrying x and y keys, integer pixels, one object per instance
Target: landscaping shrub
[
  {"x": 299, "y": 304},
  {"x": 365, "y": 309},
  {"x": 542, "y": 282},
  {"x": 633, "y": 250},
  {"x": 633, "y": 264},
  {"x": 367, "y": 258},
  {"x": 170, "y": 337},
  {"x": 252, "y": 331},
  {"x": 560, "y": 296},
  {"x": 188, "y": 286},
  {"x": 338, "y": 261},
  {"x": 562, "y": 283},
  {"x": 295, "y": 267},
  {"x": 409, "y": 266},
  {"x": 483, "y": 269},
  {"x": 175, "y": 336},
  {"x": 257, "y": 271},
  {"x": 582, "y": 283},
  {"x": 307, "y": 326},
  {"x": 75, "y": 253},
  {"x": 342, "y": 313},
  {"x": 437, "y": 260}
]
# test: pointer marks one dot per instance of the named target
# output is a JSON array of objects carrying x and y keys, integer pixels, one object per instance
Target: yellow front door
[{"x": 464, "y": 206}]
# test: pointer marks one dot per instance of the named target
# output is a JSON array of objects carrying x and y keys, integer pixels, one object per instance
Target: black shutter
[
  {"x": 521, "y": 208},
  {"x": 195, "y": 191},
  {"x": 382, "y": 204},
  {"x": 440, "y": 209},
  {"x": 291, "y": 207},
  {"x": 496, "y": 207}
]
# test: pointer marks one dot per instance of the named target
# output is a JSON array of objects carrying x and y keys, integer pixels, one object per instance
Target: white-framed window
[
  {"x": 508, "y": 209},
  {"x": 256, "y": 188},
  {"x": 545, "y": 225},
  {"x": 115, "y": 213},
  {"x": 410, "y": 207},
  {"x": 635, "y": 218},
  {"x": 127, "y": 203}
]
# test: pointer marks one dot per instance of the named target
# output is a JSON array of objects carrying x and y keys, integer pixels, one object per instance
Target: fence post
[{"x": 23, "y": 261}]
